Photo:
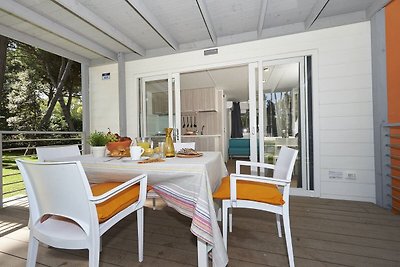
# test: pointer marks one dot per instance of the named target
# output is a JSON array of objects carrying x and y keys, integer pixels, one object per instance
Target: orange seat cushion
[
  {"x": 117, "y": 203},
  {"x": 247, "y": 190}
]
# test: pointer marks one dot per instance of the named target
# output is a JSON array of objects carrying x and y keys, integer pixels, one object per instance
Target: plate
[
  {"x": 189, "y": 155},
  {"x": 129, "y": 159}
]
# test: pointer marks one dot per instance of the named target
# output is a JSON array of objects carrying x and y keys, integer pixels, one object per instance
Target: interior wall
[
  {"x": 343, "y": 129},
  {"x": 393, "y": 85},
  {"x": 103, "y": 96}
]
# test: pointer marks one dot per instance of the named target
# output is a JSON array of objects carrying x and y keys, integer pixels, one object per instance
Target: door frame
[
  {"x": 173, "y": 81},
  {"x": 221, "y": 63},
  {"x": 257, "y": 138}
]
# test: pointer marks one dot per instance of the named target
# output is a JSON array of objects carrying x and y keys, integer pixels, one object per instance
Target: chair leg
[
  {"x": 230, "y": 220},
  {"x": 288, "y": 236},
  {"x": 140, "y": 226},
  {"x": 94, "y": 255},
  {"x": 225, "y": 223},
  {"x": 32, "y": 251},
  {"x": 278, "y": 224},
  {"x": 154, "y": 204}
]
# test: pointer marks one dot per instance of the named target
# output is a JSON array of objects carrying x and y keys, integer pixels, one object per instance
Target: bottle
[{"x": 169, "y": 144}]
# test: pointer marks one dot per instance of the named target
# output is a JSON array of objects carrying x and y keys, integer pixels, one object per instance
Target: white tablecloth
[{"x": 186, "y": 184}]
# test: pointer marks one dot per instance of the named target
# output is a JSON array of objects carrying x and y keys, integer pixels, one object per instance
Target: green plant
[{"x": 101, "y": 139}]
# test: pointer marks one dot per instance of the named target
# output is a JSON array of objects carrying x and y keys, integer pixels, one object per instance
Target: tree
[
  {"x": 50, "y": 81},
  {"x": 3, "y": 94}
]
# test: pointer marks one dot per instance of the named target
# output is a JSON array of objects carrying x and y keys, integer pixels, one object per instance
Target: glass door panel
[
  {"x": 159, "y": 95},
  {"x": 282, "y": 115}
]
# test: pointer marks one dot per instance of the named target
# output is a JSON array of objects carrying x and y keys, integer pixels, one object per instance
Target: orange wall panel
[{"x": 392, "y": 14}]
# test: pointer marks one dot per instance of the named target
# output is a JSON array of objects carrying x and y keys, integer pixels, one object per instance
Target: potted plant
[{"x": 98, "y": 141}]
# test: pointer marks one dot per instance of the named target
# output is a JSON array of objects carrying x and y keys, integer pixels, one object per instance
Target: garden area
[{"x": 12, "y": 180}]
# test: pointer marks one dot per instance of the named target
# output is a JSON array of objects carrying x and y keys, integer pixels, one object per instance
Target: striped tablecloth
[{"x": 186, "y": 184}]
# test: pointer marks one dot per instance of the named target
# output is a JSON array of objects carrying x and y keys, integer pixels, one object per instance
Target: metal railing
[
  {"x": 390, "y": 164},
  {"x": 16, "y": 144}
]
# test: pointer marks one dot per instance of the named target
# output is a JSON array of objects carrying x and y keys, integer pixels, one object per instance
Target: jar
[{"x": 169, "y": 144}]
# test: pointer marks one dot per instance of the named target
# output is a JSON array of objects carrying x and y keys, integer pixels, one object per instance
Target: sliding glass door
[
  {"x": 280, "y": 114},
  {"x": 159, "y": 108}
]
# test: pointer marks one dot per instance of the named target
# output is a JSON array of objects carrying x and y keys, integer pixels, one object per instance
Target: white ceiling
[{"x": 95, "y": 31}]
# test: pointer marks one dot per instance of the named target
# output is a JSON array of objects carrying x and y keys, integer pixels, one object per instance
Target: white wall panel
[
  {"x": 103, "y": 95},
  {"x": 346, "y": 136},
  {"x": 347, "y": 162},
  {"x": 346, "y": 96},
  {"x": 346, "y": 82},
  {"x": 344, "y": 109},
  {"x": 342, "y": 90}
]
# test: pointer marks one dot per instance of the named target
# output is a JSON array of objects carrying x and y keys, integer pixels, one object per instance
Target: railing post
[{"x": 1, "y": 173}]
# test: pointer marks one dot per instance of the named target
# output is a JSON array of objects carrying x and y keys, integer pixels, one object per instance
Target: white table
[{"x": 186, "y": 184}]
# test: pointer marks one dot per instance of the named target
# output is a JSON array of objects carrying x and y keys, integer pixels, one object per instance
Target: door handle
[{"x": 253, "y": 132}]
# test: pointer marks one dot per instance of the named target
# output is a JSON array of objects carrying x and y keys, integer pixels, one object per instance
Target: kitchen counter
[{"x": 201, "y": 136}]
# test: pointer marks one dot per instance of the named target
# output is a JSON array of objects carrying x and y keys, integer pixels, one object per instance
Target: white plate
[{"x": 129, "y": 159}]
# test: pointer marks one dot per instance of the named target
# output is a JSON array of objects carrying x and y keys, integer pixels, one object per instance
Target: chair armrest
[
  {"x": 260, "y": 179},
  {"x": 253, "y": 164},
  {"x": 142, "y": 179}
]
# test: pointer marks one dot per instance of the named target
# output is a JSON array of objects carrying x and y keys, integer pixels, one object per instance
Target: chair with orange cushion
[
  {"x": 261, "y": 193},
  {"x": 65, "y": 212}
]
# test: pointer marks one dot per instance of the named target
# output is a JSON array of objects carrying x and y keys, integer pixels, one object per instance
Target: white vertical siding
[{"x": 342, "y": 96}]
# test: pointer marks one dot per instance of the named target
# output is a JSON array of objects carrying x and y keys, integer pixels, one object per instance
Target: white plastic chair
[
  {"x": 63, "y": 209},
  {"x": 282, "y": 174},
  {"x": 179, "y": 146},
  {"x": 46, "y": 153}
]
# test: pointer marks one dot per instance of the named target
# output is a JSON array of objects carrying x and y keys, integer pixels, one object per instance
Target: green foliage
[
  {"x": 100, "y": 138},
  {"x": 31, "y": 79}
]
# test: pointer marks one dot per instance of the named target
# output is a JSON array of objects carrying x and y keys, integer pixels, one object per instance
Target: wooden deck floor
[{"x": 324, "y": 232}]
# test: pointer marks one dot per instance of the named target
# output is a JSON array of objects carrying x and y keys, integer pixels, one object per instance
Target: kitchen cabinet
[
  {"x": 204, "y": 142},
  {"x": 198, "y": 100},
  {"x": 159, "y": 103}
]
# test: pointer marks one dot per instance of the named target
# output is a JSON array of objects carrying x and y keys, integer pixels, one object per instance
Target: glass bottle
[{"x": 169, "y": 144}]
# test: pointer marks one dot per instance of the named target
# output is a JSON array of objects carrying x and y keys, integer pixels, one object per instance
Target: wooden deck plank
[{"x": 325, "y": 233}]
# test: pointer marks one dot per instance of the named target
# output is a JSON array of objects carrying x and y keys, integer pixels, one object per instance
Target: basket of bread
[
  {"x": 119, "y": 147},
  {"x": 188, "y": 153}
]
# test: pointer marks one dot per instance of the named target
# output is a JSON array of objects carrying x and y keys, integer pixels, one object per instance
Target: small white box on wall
[{"x": 106, "y": 76}]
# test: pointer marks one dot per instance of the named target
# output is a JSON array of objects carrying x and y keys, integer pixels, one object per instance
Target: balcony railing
[
  {"x": 391, "y": 166},
  {"x": 22, "y": 144}
]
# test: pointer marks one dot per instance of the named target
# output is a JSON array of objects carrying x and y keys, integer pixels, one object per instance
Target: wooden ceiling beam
[
  {"x": 207, "y": 20},
  {"x": 153, "y": 22},
  {"x": 314, "y": 14},
  {"x": 96, "y": 21},
  {"x": 31, "y": 40},
  {"x": 375, "y": 7},
  {"x": 261, "y": 18},
  {"x": 20, "y": 11}
]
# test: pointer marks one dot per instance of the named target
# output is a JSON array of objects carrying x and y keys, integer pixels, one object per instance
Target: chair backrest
[
  {"x": 285, "y": 163},
  {"x": 58, "y": 188},
  {"x": 179, "y": 146},
  {"x": 46, "y": 153}
]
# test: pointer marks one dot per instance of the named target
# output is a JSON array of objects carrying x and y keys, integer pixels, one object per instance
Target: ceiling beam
[
  {"x": 153, "y": 22},
  {"x": 315, "y": 12},
  {"x": 207, "y": 21},
  {"x": 261, "y": 18},
  {"x": 33, "y": 41},
  {"x": 18, "y": 10},
  {"x": 375, "y": 7},
  {"x": 95, "y": 20}
]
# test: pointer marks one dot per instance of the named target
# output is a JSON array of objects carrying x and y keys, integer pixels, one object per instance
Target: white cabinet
[
  {"x": 160, "y": 103},
  {"x": 198, "y": 100},
  {"x": 204, "y": 142}
]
